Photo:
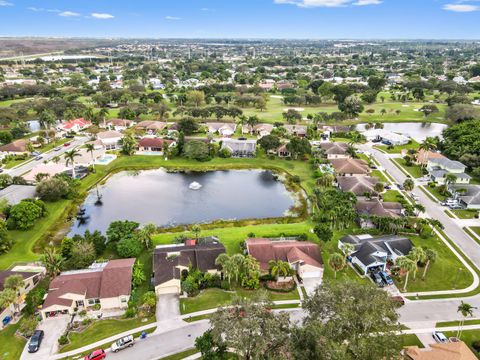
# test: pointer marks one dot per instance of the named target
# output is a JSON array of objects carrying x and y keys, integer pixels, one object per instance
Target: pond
[
  {"x": 416, "y": 130},
  {"x": 162, "y": 198}
]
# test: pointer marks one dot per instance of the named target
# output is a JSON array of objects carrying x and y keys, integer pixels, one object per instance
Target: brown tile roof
[
  {"x": 15, "y": 146},
  {"x": 451, "y": 351},
  {"x": 110, "y": 281},
  {"x": 199, "y": 256},
  {"x": 151, "y": 125},
  {"x": 358, "y": 185},
  {"x": 423, "y": 156},
  {"x": 109, "y": 134},
  {"x": 119, "y": 122},
  {"x": 5, "y": 274},
  {"x": 153, "y": 142},
  {"x": 350, "y": 166},
  {"x": 334, "y": 148},
  {"x": 377, "y": 208},
  {"x": 265, "y": 250}
]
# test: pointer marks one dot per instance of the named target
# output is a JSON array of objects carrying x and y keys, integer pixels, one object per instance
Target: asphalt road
[{"x": 20, "y": 170}]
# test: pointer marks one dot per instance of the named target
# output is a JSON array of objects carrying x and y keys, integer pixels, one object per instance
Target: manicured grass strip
[
  {"x": 102, "y": 329},
  {"x": 11, "y": 346},
  {"x": 411, "y": 340},
  {"x": 457, "y": 323},
  {"x": 429, "y": 195},
  {"x": 392, "y": 196},
  {"x": 471, "y": 234},
  {"x": 436, "y": 195},
  {"x": 180, "y": 355},
  {"x": 197, "y": 318},
  {"x": 449, "y": 214},
  {"x": 412, "y": 145}
]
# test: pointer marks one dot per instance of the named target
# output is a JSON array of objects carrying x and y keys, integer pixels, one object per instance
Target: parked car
[
  {"x": 57, "y": 148},
  {"x": 400, "y": 186},
  {"x": 66, "y": 144},
  {"x": 35, "y": 341},
  {"x": 387, "y": 142},
  {"x": 386, "y": 278},
  {"x": 123, "y": 343},
  {"x": 398, "y": 300},
  {"x": 376, "y": 140},
  {"x": 456, "y": 207},
  {"x": 96, "y": 355},
  {"x": 377, "y": 279},
  {"x": 387, "y": 187},
  {"x": 39, "y": 157},
  {"x": 439, "y": 337}
]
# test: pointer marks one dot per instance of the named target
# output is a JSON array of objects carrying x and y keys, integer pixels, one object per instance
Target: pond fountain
[{"x": 195, "y": 186}]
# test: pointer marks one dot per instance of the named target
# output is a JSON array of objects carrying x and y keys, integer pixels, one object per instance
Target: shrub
[
  {"x": 131, "y": 312},
  {"x": 83, "y": 313},
  {"x": 63, "y": 340},
  {"x": 224, "y": 285},
  {"x": 97, "y": 307},
  {"x": 28, "y": 326},
  {"x": 476, "y": 345},
  {"x": 87, "y": 321},
  {"x": 129, "y": 247},
  {"x": 52, "y": 189}
]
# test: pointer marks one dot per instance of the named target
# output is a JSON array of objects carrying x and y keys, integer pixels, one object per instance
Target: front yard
[
  {"x": 466, "y": 214},
  {"x": 415, "y": 171},
  {"x": 392, "y": 196},
  {"x": 213, "y": 298},
  {"x": 11, "y": 345}
]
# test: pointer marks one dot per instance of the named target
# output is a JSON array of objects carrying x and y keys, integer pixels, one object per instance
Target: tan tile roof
[
  {"x": 350, "y": 166},
  {"x": 15, "y": 146},
  {"x": 450, "y": 351}
]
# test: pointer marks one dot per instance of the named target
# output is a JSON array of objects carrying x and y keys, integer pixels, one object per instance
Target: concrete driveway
[
  {"x": 53, "y": 329},
  {"x": 168, "y": 307},
  {"x": 310, "y": 284}
]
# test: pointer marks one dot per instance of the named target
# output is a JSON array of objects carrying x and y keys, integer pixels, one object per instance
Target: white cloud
[
  {"x": 102, "y": 16},
  {"x": 172, "y": 18},
  {"x": 5, "y": 3},
  {"x": 461, "y": 7},
  {"x": 368, "y": 2},
  {"x": 328, "y": 3},
  {"x": 68, "y": 14},
  {"x": 35, "y": 9}
]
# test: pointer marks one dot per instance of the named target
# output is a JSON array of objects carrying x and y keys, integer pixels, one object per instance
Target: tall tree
[
  {"x": 70, "y": 159},
  {"x": 336, "y": 262},
  {"x": 466, "y": 310},
  {"x": 52, "y": 261},
  {"x": 430, "y": 256},
  {"x": 406, "y": 265}
]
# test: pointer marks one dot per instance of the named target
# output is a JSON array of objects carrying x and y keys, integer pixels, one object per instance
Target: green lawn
[
  {"x": 181, "y": 355},
  {"x": 392, "y": 196},
  {"x": 475, "y": 229},
  {"x": 447, "y": 272},
  {"x": 435, "y": 193},
  {"x": 213, "y": 298},
  {"x": 11, "y": 346},
  {"x": 415, "y": 171},
  {"x": 102, "y": 329},
  {"x": 465, "y": 214},
  {"x": 379, "y": 174},
  {"x": 411, "y": 340},
  {"x": 457, "y": 323}
]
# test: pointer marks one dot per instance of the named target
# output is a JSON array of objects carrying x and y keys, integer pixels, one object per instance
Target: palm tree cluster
[
  {"x": 335, "y": 208},
  {"x": 409, "y": 264},
  {"x": 279, "y": 268},
  {"x": 244, "y": 269}
]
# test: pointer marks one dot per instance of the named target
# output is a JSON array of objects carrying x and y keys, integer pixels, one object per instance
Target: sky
[{"x": 293, "y": 19}]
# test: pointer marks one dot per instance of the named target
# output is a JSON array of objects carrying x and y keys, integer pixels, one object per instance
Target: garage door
[
  {"x": 311, "y": 274},
  {"x": 168, "y": 290}
]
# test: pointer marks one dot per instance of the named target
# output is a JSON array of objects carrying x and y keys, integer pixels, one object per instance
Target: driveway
[
  {"x": 311, "y": 283},
  {"x": 168, "y": 307},
  {"x": 53, "y": 329}
]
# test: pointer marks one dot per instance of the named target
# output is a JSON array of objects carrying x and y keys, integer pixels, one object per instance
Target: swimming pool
[{"x": 105, "y": 159}]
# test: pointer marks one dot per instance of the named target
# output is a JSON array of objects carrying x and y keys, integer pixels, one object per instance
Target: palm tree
[
  {"x": 430, "y": 256},
  {"x": 145, "y": 235},
  {"x": 227, "y": 265},
  {"x": 70, "y": 157},
  {"x": 408, "y": 184},
  {"x": 91, "y": 148},
  {"x": 466, "y": 310},
  {"x": 238, "y": 260},
  {"x": 348, "y": 249},
  {"x": 196, "y": 229},
  {"x": 52, "y": 261},
  {"x": 419, "y": 208},
  {"x": 7, "y": 297},
  {"x": 336, "y": 262},
  {"x": 279, "y": 268},
  {"x": 103, "y": 114},
  {"x": 450, "y": 179},
  {"x": 418, "y": 255},
  {"x": 428, "y": 144},
  {"x": 351, "y": 151},
  {"x": 407, "y": 265}
]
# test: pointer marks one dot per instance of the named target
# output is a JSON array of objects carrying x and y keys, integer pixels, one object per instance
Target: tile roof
[
  {"x": 377, "y": 208},
  {"x": 19, "y": 145},
  {"x": 451, "y": 351},
  {"x": 265, "y": 250},
  {"x": 6, "y": 273},
  {"x": 81, "y": 122},
  {"x": 110, "y": 134},
  {"x": 358, "y": 185},
  {"x": 334, "y": 148},
  {"x": 153, "y": 142},
  {"x": 350, "y": 166}
]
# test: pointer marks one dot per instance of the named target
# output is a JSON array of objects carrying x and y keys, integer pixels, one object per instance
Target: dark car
[
  {"x": 96, "y": 355},
  {"x": 386, "y": 278},
  {"x": 35, "y": 341},
  {"x": 387, "y": 187},
  {"x": 387, "y": 142},
  {"x": 376, "y": 140},
  {"x": 377, "y": 279}
]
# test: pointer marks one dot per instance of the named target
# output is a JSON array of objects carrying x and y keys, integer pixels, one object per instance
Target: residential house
[
  {"x": 75, "y": 125},
  {"x": 296, "y": 130},
  {"x": 17, "y": 147},
  {"x": 16, "y": 193},
  {"x": 260, "y": 129},
  {"x": 457, "y": 350},
  {"x": 31, "y": 275},
  {"x": 438, "y": 168},
  {"x": 303, "y": 256},
  {"x": 350, "y": 167},
  {"x": 108, "y": 284},
  {"x": 240, "y": 148},
  {"x": 335, "y": 150},
  {"x": 359, "y": 185},
  {"x": 374, "y": 207},
  {"x": 467, "y": 195},
  {"x": 423, "y": 156},
  {"x": 49, "y": 169},
  {"x": 169, "y": 261},
  {"x": 223, "y": 129},
  {"x": 152, "y": 127},
  {"x": 110, "y": 139},
  {"x": 118, "y": 124},
  {"x": 283, "y": 152},
  {"x": 374, "y": 252},
  {"x": 154, "y": 145}
]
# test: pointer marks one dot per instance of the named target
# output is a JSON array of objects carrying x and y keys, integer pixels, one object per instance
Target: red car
[
  {"x": 96, "y": 355},
  {"x": 66, "y": 144}
]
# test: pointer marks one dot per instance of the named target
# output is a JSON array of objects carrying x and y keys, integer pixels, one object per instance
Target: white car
[
  {"x": 439, "y": 337},
  {"x": 122, "y": 343}
]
